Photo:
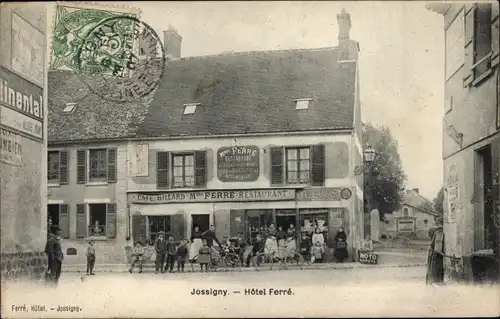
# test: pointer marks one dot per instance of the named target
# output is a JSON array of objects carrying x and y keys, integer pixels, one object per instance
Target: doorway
[
  {"x": 285, "y": 218},
  {"x": 200, "y": 220},
  {"x": 53, "y": 214}
]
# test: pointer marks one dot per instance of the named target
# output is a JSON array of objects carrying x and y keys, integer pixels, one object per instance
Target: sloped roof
[
  {"x": 417, "y": 201},
  {"x": 249, "y": 92}
]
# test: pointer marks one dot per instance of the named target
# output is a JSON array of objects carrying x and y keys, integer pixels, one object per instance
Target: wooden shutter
[
  {"x": 200, "y": 169},
  {"x": 63, "y": 167},
  {"x": 469, "y": 44},
  {"x": 64, "y": 220},
  {"x": 139, "y": 228},
  {"x": 318, "y": 165},
  {"x": 81, "y": 169},
  {"x": 177, "y": 228},
  {"x": 81, "y": 221},
  {"x": 162, "y": 169},
  {"x": 276, "y": 154},
  {"x": 237, "y": 222},
  {"x": 111, "y": 220},
  {"x": 112, "y": 165}
]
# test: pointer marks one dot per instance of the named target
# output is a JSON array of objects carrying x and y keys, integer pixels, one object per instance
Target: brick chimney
[
  {"x": 172, "y": 43},
  {"x": 348, "y": 49}
]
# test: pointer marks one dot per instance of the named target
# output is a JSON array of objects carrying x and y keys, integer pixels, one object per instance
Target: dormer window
[
  {"x": 302, "y": 104},
  {"x": 70, "y": 107},
  {"x": 190, "y": 108}
]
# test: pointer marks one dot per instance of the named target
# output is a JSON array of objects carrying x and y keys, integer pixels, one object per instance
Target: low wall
[{"x": 25, "y": 265}]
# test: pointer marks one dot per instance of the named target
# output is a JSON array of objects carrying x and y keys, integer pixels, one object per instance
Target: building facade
[
  {"x": 240, "y": 140},
  {"x": 23, "y": 141},
  {"x": 471, "y": 139},
  {"x": 413, "y": 220}
]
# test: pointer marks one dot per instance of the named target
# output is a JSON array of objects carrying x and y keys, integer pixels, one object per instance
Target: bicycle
[
  {"x": 222, "y": 260},
  {"x": 282, "y": 255}
]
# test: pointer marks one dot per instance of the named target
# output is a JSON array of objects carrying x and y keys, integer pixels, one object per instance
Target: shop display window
[
  {"x": 257, "y": 221},
  {"x": 309, "y": 219}
]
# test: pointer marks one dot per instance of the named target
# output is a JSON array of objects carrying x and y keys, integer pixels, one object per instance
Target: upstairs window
[
  {"x": 98, "y": 167},
  {"x": 183, "y": 170},
  {"x": 57, "y": 167},
  {"x": 70, "y": 107},
  {"x": 298, "y": 168},
  {"x": 482, "y": 39},
  {"x": 190, "y": 108},
  {"x": 302, "y": 104}
]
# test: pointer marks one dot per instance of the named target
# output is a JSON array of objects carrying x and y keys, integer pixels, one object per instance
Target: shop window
[
  {"x": 157, "y": 224},
  {"x": 183, "y": 170},
  {"x": 297, "y": 165},
  {"x": 257, "y": 222},
  {"x": 97, "y": 219},
  {"x": 285, "y": 218},
  {"x": 98, "y": 168},
  {"x": 312, "y": 218}
]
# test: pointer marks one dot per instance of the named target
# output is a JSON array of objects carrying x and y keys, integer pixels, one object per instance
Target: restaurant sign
[
  {"x": 323, "y": 194},
  {"x": 238, "y": 163},
  {"x": 214, "y": 196}
]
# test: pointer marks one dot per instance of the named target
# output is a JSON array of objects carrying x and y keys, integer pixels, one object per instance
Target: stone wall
[{"x": 25, "y": 265}]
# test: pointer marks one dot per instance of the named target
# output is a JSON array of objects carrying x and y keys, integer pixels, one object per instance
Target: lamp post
[{"x": 369, "y": 158}]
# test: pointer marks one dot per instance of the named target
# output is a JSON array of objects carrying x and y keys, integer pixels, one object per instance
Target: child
[
  {"x": 90, "y": 258},
  {"x": 305, "y": 246},
  {"x": 257, "y": 248},
  {"x": 137, "y": 256},
  {"x": 367, "y": 245},
  {"x": 317, "y": 252},
  {"x": 204, "y": 256},
  {"x": 182, "y": 252},
  {"x": 171, "y": 253}
]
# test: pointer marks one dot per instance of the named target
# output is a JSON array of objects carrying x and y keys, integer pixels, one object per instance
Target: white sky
[{"x": 401, "y": 63}]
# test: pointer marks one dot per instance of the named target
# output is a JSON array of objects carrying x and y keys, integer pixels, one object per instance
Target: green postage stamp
[{"x": 73, "y": 22}]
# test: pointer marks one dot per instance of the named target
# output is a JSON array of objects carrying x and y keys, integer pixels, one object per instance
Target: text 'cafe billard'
[{"x": 248, "y": 211}]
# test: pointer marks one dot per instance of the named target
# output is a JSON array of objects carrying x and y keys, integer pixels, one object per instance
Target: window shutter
[
  {"x": 237, "y": 222},
  {"x": 81, "y": 221},
  {"x": 63, "y": 167},
  {"x": 111, "y": 220},
  {"x": 177, "y": 226},
  {"x": 112, "y": 165},
  {"x": 162, "y": 169},
  {"x": 469, "y": 45},
  {"x": 81, "y": 170},
  {"x": 139, "y": 227},
  {"x": 200, "y": 169},
  {"x": 318, "y": 165},
  {"x": 64, "y": 220},
  {"x": 276, "y": 154}
]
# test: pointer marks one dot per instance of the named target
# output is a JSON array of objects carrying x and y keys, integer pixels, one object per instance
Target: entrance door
[
  {"x": 285, "y": 218},
  {"x": 53, "y": 214},
  {"x": 200, "y": 220}
]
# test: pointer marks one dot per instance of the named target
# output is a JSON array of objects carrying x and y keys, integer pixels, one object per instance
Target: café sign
[
  {"x": 323, "y": 194},
  {"x": 214, "y": 196},
  {"x": 238, "y": 163}
]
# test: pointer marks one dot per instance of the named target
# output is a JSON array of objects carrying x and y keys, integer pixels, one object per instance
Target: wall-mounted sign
[
  {"x": 21, "y": 122},
  {"x": 368, "y": 258},
  {"x": 321, "y": 194},
  {"x": 20, "y": 95},
  {"x": 28, "y": 49},
  {"x": 214, "y": 196},
  {"x": 142, "y": 160},
  {"x": 238, "y": 163},
  {"x": 406, "y": 225},
  {"x": 10, "y": 148}
]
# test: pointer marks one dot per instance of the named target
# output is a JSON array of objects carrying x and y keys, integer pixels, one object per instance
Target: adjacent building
[
  {"x": 238, "y": 140},
  {"x": 414, "y": 220},
  {"x": 23, "y": 139},
  {"x": 471, "y": 139}
]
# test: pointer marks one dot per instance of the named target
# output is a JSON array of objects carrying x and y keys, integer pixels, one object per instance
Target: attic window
[
  {"x": 70, "y": 107},
  {"x": 302, "y": 104},
  {"x": 190, "y": 108}
]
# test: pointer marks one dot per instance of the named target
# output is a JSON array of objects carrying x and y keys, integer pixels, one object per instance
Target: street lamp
[
  {"x": 369, "y": 154},
  {"x": 369, "y": 157}
]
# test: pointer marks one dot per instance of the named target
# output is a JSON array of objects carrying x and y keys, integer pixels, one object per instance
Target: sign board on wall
[
  {"x": 142, "y": 160},
  {"x": 453, "y": 193},
  {"x": 27, "y": 46},
  {"x": 405, "y": 225},
  {"x": 324, "y": 194},
  {"x": 238, "y": 163},
  {"x": 10, "y": 148},
  {"x": 214, "y": 196}
]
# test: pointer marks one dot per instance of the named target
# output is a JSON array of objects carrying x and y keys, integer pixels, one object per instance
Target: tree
[
  {"x": 438, "y": 202},
  {"x": 387, "y": 183}
]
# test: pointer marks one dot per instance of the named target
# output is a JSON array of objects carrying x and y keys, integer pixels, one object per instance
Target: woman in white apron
[
  {"x": 291, "y": 242},
  {"x": 271, "y": 246},
  {"x": 196, "y": 244}
]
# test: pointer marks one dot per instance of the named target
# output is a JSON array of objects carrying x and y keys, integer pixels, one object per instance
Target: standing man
[
  {"x": 160, "y": 249},
  {"x": 55, "y": 255},
  {"x": 435, "y": 259},
  {"x": 210, "y": 236}
]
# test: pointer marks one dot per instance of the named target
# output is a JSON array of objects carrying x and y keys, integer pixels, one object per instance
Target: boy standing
[
  {"x": 182, "y": 252},
  {"x": 90, "y": 258},
  {"x": 171, "y": 252},
  {"x": 160, "y": 252},
  {"x": 204, "y": 256},
  {"x": 137, "y": 256}
]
